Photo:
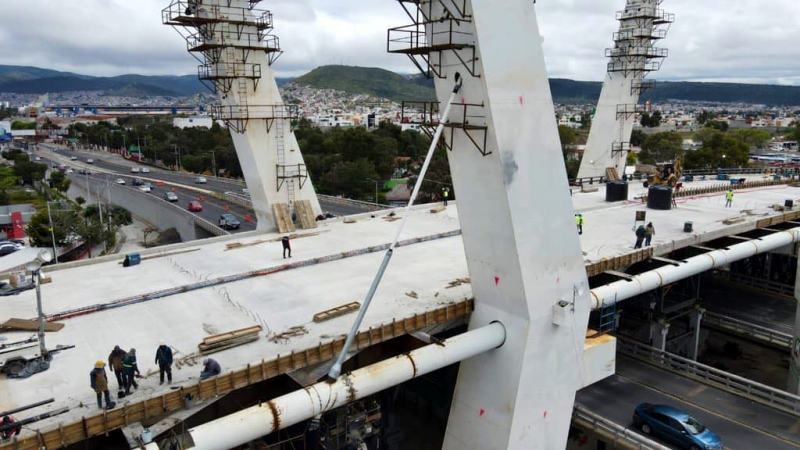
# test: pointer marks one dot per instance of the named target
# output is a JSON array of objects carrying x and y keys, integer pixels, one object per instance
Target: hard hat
[{"x": 99, "y": 364}]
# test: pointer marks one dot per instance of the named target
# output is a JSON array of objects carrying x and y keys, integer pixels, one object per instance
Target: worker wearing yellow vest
[
  {"x": 579, "y": 222},
  {"x": 729, "y": 198},
  {"x": 445, "y": 195}
]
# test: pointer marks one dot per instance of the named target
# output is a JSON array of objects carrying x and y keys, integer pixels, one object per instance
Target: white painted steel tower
[
  {"x": 522, "y": 249},
  {"x": 634, "y": 55},
  {"x": 232, "y": 40}
]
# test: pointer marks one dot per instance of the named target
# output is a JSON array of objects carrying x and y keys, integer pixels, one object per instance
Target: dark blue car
[{"x": 675, "y": 427}]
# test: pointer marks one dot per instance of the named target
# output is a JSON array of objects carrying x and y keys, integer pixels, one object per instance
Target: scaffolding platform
[
  {"x": 187, "y": 14},
  {"x": 238, "y": 116}
]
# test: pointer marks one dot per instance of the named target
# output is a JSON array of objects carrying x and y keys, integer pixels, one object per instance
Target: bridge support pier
[
  {"x": 695, "y": 320},
  {"x": 659, "y": 330},
  {"x": 793, "y": 384}
]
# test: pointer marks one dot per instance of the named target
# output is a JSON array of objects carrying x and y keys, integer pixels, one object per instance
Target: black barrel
[
  {"x": 688, "y": 227},
  {"x": 659, "y": 197},
  {"x": 616, "y": 191},
  {"x": 789, "y": 204}
]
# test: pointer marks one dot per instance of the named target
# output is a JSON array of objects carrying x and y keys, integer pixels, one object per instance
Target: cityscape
[{"x": 456, "y": 246}]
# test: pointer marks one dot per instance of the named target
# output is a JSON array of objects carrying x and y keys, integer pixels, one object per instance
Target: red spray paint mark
[
  {"x": 545, "y": 414},
  {"x": 521, "y": 100},
  {"x": 482, "y": 412},
  {"x": 496, "y": 280}
]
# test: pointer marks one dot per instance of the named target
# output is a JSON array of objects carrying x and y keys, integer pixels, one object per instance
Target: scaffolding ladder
[{"x": 280, "y": 146}]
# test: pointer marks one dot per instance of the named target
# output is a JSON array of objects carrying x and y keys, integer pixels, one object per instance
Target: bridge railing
[
  {"x": 620, "y": 437},
  {"x": 763, "y": 334},
  {"x": 749, "y": 389}
]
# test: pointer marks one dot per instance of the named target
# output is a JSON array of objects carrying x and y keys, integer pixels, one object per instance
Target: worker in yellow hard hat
[{"x": 99, "y": 382}]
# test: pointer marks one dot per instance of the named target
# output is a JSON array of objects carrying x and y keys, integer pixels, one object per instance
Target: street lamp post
[{"x": 35, "y": 267}]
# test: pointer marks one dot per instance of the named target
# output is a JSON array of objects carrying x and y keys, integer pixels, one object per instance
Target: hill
[
  {"x": 378, "y": 82},
  {"x": 367, "y": 80}
]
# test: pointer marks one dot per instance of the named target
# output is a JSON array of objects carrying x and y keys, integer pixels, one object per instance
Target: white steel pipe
[
  {"x": 622, "y": 290},
  {"x": 257, "y": 421}
]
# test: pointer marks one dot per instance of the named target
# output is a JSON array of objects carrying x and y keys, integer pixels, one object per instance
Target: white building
[{"x": 192, "y": 122}]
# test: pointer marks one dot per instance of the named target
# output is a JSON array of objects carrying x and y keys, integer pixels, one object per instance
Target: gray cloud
[{"x": 745, "y": 40}]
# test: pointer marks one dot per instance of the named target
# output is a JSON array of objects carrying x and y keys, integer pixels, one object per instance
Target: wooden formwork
[
  {"x": 155, "y": 408},
  {"x": 619, "y": 262},
  {"x": 283, "y": 218},
  {"x": 305, "y": 214}
]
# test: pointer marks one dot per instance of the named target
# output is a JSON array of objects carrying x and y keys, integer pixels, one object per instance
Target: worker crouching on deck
[
  {"x": 9, "y": 429},
  {"x": 99, "y": 382},
  {"x": 210, "y": 368}
]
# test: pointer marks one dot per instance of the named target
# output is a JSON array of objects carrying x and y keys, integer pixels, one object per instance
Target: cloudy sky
[{"x": 727, "y": 40}]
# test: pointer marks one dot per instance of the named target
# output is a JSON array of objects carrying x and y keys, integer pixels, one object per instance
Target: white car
[
  {"x": 90, "y": 161},
  {"x": 70, "y": 171},
  {"x": 120, "y": 181},
  {"x": 134, "y": 170},
  {"x": 146, "y": 187},
  {"x": 38, "y": 158},
  {"x": 201, "y": 180},
  {"x": 145, "y": 170},
  {"x": 73, "y": 158}
]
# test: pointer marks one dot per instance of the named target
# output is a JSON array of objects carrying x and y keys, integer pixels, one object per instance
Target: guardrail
[
  {"x": 773, "y": 287},
  {"x": 366, "y": 206},
  {"x": 751, "y": 330},
  {"x": 749, "y": 389},
  {"x": 620, "y": 437}
]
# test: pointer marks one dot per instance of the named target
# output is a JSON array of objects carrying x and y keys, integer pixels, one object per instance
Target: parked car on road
[
  {"x": 675, "y": 426},
  {"x": 8, "y": 248},
  {"x": 229, "y": 222},
  {"x": 38, "y": 158},
  {"x": 90, "y": 161},
  {"x": 195, "y": 206},
  {"x": 147, "y": 187},
  {"x": 145, "y": 170},
  {"x": 200, "y": 180},
  {"x": 73, "y": 158},
  {"x": 120, "y": 181},
  {"x": 135, "y": 170},
  {"x": 170, "y": 196}
]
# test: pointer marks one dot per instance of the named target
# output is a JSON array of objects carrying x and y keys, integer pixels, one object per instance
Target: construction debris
[
  {"x": 349, "y": 220},
  {"x": 283, "y": 218},
  {"x": 733, "y": 220},
  {"x": 458, "y": 282},
  {"x": 224, "y": 341},
  {"x": 288, "y": 334},
  {"x": 412, "y": 294},
  {"x": 338, "y": 311},
  {"x": 165, "y": 254},
  {"x": 305, "y": 214},
  {"x": 438, "y": 209},
  {"x": 29, "y": 325}
]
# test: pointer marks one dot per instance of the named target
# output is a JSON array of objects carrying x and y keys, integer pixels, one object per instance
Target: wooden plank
[
  {"x": 29, "y": 325},
  {"x": 338, "y": 311},
  {"x": 232, "y": 334},
  {"x": 305, "y": 214},
  {"x": 283, "y": 218}
]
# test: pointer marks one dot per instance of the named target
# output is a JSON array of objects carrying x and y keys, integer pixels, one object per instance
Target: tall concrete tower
[
  {"x": 634, "y": 55},
  {"x": 232, "y": 40},
  {"x": 521, "y": 246}
]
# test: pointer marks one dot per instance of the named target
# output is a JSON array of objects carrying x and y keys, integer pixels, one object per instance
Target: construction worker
[
  {"x": 210, "y": 368},
  {"x": 641, "y": 233},
  {"x": 579, "y": 222},
  {"x": 115, "y": 364},
  {"x": 99, "y": 382},
  {"x": 649, "y": 232},
  {"x": 130, "y": 369},
  {"x": 164, "y": 361},
  {"x": 287, "y": 246},
  {"x": 729, "y": 198},
  {"x": 445, "y": 195},
  {"x": 9, "y": 429}
]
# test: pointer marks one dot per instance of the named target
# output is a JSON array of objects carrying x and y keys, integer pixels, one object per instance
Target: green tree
[
  {"x": 351, "y": 179},
  {"x": 28, "y": 171},
  {"x": 753, "y": 137},
  {"x": 637, "y": 138},
  {"x": 568, "y": 137},
  {"x": 661, "y": 147},
  {"x": 719, "y": 150},
  {"x": 92, "y": 232},
  {"x": 59, "y": 181},
  {"x": 718, "y": 125},
  {"x": 705, "y": 116},
  {"x": 64, "y": 219}
]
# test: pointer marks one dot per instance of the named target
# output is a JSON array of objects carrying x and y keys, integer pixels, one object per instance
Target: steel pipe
[
  {"x": 618, "y": 291},
  {"x": 257, "y": 421}
]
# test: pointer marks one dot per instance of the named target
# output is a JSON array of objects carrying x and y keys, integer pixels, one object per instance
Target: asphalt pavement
[
  {"x": 121, "y": 166},
  {"x": 740, "y": 423}
]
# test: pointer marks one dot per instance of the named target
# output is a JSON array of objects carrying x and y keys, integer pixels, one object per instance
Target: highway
[
  {"x": 757, "y": 307},
  {"x": 742, "y": 424},
  {"x": 121, "y": 166}
]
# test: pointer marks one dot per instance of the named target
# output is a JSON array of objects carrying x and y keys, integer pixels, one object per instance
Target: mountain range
[{"x": 376, "y": 82}]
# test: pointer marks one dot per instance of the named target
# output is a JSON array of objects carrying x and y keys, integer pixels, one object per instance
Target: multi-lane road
[{"x": 107, "y": 168}]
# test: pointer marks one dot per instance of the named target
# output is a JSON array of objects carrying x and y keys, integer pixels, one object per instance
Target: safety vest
[
  {"x": 729, "y": 195},
  {"x": 579, "y": 220}
]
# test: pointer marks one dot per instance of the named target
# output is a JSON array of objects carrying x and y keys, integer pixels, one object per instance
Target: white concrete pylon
[
  {"x": 522, "y": 250},
  {"x": 632, "y": 58},
  {"x": 233, "y": 40},
  {"x": 793, "y": 382}
]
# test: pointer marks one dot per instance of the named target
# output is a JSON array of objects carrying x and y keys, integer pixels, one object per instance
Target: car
[
  {"x": 138, "y": 182},
  {"x": 73, "y": 158},
  {"x": 38, "y": 158},
  {"x": 675, "y": 426},
  {"x": 170, "y": 196},
  {"x": 229, "y": 222},
  {"x": 134, "y": 170},
  {"x": 16, "y": 243},
  {"x": 145, "y": 170},
  {"x": 70, "y": 170},
  {"x": 195, "y": 206},
  {"x": 90, "y": 161},
  {"x": 7, "y": 249},
  {"x": 200, "y": 180},
  {"x": 147, "y": 187},
  {"x": 120, "y": 181}
]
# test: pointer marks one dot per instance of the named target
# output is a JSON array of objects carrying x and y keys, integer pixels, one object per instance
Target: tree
[
  {"x": 754, "y": 138},
  {"x": 29, "y": 172},
  {"x": 651, "y": 120},
  {"x": 59, "y": 181},
  {"x": 705, "y": 116},
  {"x": 718, "y": 125},
  {"x": 586, "y": 121},
  {"x": 351, "y": 179},
  {"x": 80, "y": 201},
  {"x": 719, "y": 150},
  {"x": 661, "y": 147},
  {"x": 64, "y": 219},
  {"x": 637, "y": 138},
  {"x": 567, "y": 136}
]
